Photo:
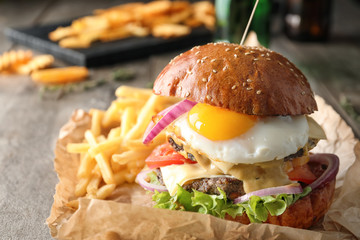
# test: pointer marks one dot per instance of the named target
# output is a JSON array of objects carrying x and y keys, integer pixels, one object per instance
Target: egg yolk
[{"x": 217, "y": 123}]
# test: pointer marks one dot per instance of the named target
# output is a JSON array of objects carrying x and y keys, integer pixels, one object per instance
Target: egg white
[{"x": 269, "y": 139}]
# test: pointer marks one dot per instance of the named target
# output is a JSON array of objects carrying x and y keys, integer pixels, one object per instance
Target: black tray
[{"x": 100, "y": 54}]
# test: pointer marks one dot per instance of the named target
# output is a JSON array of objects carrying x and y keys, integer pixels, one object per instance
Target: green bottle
[{"x": 232, "y": 17}]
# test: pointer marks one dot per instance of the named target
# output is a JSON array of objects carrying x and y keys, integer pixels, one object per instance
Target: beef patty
[{"x": 231, "y": 186}]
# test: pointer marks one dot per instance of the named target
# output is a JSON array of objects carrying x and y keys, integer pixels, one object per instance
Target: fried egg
[{"x": 226, "y": 136}]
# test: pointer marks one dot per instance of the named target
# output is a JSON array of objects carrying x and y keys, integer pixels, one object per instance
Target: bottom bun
[{"x": 304, "y": 213}]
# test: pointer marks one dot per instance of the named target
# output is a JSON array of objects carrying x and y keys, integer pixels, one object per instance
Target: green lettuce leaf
[
  {"x": 153, "y": 178},
  {"x": 256, "y": 208}
]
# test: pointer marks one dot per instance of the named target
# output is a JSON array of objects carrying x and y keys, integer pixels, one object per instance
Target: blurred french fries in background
[
  {"x": 60, "y": 75},
  {"x": 163, "y": 19},
  {"x": 23, "y": 62},
  {"x": 36, "y": 63},
  {"x": 11, "y": 59},
  {"x": 112, "y": 152}
]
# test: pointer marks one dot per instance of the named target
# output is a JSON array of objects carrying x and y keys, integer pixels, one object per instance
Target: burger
[{"x": 238, "y": 142}]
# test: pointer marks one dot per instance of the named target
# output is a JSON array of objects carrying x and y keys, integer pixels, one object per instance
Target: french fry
[
  {"x": 96, "y": 122},
  {"x": 120, "y": 177},
  {"x": 101, "y": 159},
  {"x": 77, "y": 147},
  {"x": 111, "y": 116},
  {"x": 127, "y": 121},
  {"x": 107, "y": 145},
  {"x": 61, "y": 32},
  {"x": 38, "y": 62},
  {"x": 60, "y": 75},
  {"x": 10, "y": 59},
  {"x": 168, "y": 30},
  {"x": 74, "y": 42},
  {"x": 122, "y": 103},
  {"x": 129, "y": 156},
  {"x": 132, "y": 92},
  {"x": 114, "y": 133},
  {"x": 144, "y": 118},
  {"x": 114, "y": 34},
  {"x": 86, "y": 166},
  {"x": 93, "y": 185},
  {"x": 105, "y": 191},
  {"x": 80, "y": 188},
  {"x": 130, "y": 177}
]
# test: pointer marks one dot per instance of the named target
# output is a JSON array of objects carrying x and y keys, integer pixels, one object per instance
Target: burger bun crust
[{"x": 249, "y": 80}]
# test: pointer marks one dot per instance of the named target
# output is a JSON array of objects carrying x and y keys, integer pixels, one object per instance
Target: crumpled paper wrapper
[{"x": 128, "y": 213}]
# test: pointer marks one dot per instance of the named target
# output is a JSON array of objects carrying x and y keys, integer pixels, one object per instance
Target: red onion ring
[
  {"x": 332, "y": 162},
  {"x": 169, "y": 115},
  {"x": 140, "y": 178},
  {"x": 288, "y": 189}
]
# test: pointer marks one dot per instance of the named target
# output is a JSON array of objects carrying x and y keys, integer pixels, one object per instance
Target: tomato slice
[
  {"x": 165, "y": 155},
  {"x": 302, "y": 174}
]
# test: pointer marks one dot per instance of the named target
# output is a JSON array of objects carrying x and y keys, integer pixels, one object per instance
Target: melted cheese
[
  {"x": 254, "y": 176},
  {"x": 180, "y": 174}
]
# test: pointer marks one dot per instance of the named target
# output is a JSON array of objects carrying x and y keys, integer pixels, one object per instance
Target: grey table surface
[{"x": 29, "y": 125}]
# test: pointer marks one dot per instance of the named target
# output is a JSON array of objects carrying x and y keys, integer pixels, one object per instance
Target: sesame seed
[
  {"x": 247, "y": 53},
  {"x": 202, "y": 61},
  {"x": 214, "y": 71},
  {"x": 251, "y": 51},
  {"x": 280, "y": 63},
  {"x": 208, "y": 97},
  {"x": 287, "y": 63},
  {"x": 302, "y": 76},
  {"x": 225, "y": 68},
  {"x": 204, "y": 58},
  {"x": 269, "y": 59},
  {"x": 262, "y": 55},
  {"x": 180, "y": 54},
  {"x": 197, "y": 52},
  {"x": 296, "y": 75},
  {"x": 233, "y": 87},
  {"x": 244, "y": 84},
  {"x": 235, "y": 55},
  {"x": 249, "y": 80},
  {"x": 258, "y": 92},
  {"x": 268, "y": 54},
  {"x": 179, "y": 87},
  {"x": 249, "y": 88},
  {"x": 303, "y": 93},
  {"x": 302, "y": 83},
  {"x": 255, "y": 59},
  {"x": 204, "y": 80},
  {"x": 309, "y": 109},
  {"x": 187, "y": 94},
  {"x": 198, "y": 60},
  {"x": 237, "y": 48},
  {"x": 213, "y": 60},
  {"x": 291, "y": 69},
  {"x": 189, "y": 72},
  {"x": 228, "y": 49}
]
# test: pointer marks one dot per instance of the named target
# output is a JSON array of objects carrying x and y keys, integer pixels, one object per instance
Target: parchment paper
[{"x": 129, "y": 215}]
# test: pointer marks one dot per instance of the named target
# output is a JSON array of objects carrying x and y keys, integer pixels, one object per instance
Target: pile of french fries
[
  {"x": 112, "y": 152},
  {"x": 164, "y": 19},
  {"x": 23, "y": 62}
]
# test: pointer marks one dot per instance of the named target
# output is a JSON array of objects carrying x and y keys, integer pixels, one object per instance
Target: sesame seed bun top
[{"x": 250, "y": 80}]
